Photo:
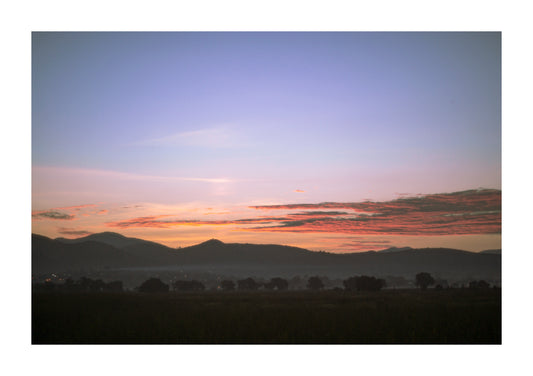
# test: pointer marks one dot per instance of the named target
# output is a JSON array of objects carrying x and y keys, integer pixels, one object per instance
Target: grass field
[{"x": 455, "y": 316}]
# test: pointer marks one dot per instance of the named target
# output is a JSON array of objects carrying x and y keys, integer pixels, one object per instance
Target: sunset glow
[{"x": 343, "y": 142}]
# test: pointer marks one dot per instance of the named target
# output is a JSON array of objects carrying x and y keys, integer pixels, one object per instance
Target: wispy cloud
[
  {"x": 365, "y": 245},
  {"x": 214, "y": 137},
  {"x": 62, "y": 213},
  {"x": 318, "y": 213},
  {"x": 52, "y": 214},
  {"x": 156, "y": 222},
  {"x": 299, "y": 191},
  {"x": 72, "y": 232},
  {"x": 125, "y": 175},
  {"x": 77, "y": 207}
]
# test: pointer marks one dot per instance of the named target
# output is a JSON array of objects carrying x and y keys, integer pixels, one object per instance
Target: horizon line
[{"x": 282, "y": 245}]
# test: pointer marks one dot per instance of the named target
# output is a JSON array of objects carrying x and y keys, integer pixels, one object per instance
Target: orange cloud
[{"x": 299, "y": 191}]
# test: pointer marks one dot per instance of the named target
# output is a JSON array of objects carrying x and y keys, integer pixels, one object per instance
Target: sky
[{"x": 342, "y": 142}]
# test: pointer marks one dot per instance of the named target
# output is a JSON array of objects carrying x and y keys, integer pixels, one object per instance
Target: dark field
[{"x": 454, "y": 316}]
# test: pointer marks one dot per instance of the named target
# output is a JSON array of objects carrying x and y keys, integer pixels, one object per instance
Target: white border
[{"x": 22, "y": 17}]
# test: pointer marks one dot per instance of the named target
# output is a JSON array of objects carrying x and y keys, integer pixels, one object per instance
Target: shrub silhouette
[
  {"x": 314, "y": 283},
  {"x": 423, "y": 280},
  {"x": 153, "y": 285},
  {"x": 277, "y": 284},
  {"x": 363, "y": 283}
]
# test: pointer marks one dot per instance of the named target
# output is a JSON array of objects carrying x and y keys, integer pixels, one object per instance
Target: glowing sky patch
[{"x": 460, "y": 213}]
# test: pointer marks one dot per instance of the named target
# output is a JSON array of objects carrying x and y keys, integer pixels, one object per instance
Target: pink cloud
[
  {"x": 77, "y": 207},
  {"x": 156, "y": 222},
  {"x": 459, "y": 213}
]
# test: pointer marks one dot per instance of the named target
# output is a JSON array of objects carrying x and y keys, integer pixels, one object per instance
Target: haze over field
[{"x": 341, "y": 142}]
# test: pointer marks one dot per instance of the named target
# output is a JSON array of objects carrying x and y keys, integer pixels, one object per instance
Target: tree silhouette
[
  {"x": 363, "y": 283},
  {"x": 153, "y": 285},
  {"x": 227, "y": 285},
  {"x": 277, "y": 284},
  {"x": 297, "y": 282},
  {"x": 314, "y": 283},
  {"x": 248, "y": 284},
  {"x": 423, "y": 280},
  {"x": 350, "y": 284}
]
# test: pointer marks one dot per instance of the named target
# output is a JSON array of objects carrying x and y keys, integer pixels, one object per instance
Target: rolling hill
[{"x": 108, "y": 251}]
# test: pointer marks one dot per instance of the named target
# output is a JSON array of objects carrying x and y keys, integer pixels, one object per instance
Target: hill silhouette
[
  {"x": 492, "y": 251},
  {"x": 111, "y": 238},
  {"x": 52, "y": 255},
  {"x": 136, "y": 252},
  {"x": 111, "y": 250}
]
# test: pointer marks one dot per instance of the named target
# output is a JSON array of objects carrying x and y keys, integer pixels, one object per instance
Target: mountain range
[{"x": 112, "y": 251}]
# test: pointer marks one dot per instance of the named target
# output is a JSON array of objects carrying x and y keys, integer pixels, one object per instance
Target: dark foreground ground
[{"x": 336, "y": 317}]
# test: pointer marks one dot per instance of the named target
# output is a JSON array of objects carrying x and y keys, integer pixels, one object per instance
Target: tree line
[
  {"x": 83, "y": 284},
  {"x": 356, "y": 283}
]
